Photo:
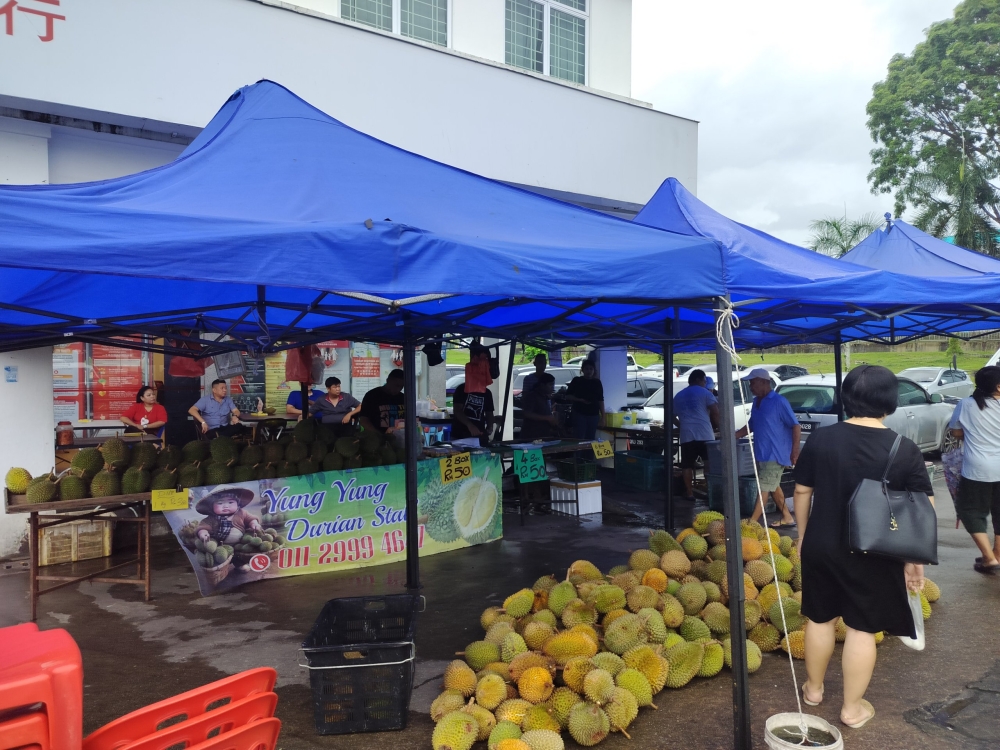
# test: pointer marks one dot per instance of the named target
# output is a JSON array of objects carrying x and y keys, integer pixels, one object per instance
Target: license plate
[{"x": 807, "y": 426}]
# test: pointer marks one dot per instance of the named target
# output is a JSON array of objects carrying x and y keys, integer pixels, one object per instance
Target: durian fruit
[
  {"x": 578, "y": 612},
  {"x": 72, "y": 487},
  {"x": 718, "y": 553},
  {"x": 661, "y": 542},
  {"x": 695, "y": 547},
  {"x": 796, "y": 581},
  {"x": 218, "y": 473},
  {"x": 547, "y": 616},
  {"x": 513, "y": 644},
  {"x": 535, "y": 684},
  {"x": 652, "y": 621},
  {"x": 685, "y": 662},
  {"x": 243, "y": 473},
  {"x": 694, "y": 629},
  {"x": 770, "y": 594},
  {"x": 642, "y": 597},
  {"x": 699, "y": 569},
  {"x": 135, "y": 480},
  {"x": 753, "y": 655},
  {"x": 675, "y": 563},
  {"x": 251, "y": 455},
  {"x": 925, "y": 606},
  {"x": 792, "y": 619},
  {"x": 766, "y": 636},
  {"x": 655, "y": 579},
  {"x": 541, "y": 601},
  {"x": 459, "y": 676},
  {"x": 752, "y": 549},
  {"x": 784, "y": 567},
  {"x": 561, "y": 595},
  {"x": 627, "y": 580},
  {"x": 673, "y": 611},
  {"x": 617, "y": 570},
  {"x": 455, "y": 731},
  {"x": 480, "y": 653},
  {"x": 498, "y": 668},
  {"x": 703, "y": 519},
  {"x": 624, "y": 633},
  {"x": 544, "y": 583},
  {"x": 581, "y": 571},
  {"x": 712, "y": 592},
  {"x": 649, "y": 662},
  {"x": 144, "y": 456},
  {"x": 672, "y": 640},
  {"x": 611, "y": 616},
  {"x": 609, "y": 662},
  {"x": 527, "y": 660},
  {"x": 588, "y": 724},
  {"x": 879, "y": 637},
  {"x": 335, "y": 462},
  {"x": 643, "y": 559},
  {"x": 194, "y": 450},
  {"x": 795, "y": 643},
  {"x": 308, "y": 466},
  {"x": 536, "y": 634},
  {"x": 749, "y": 590},
  {"x": 716, "y": 616},
  {"x": 711, "y": 663},
  {"x": 568, "y": 645},
  {"x": 716, "y": 572},
  {"x": 296, "y": 452},
  {"x": 760, "y": 572},
  {"x": 561, "y": 703},
  {"x": 348, "y": 447},
  {"x": 512, "y": 710},
  {"x": 164, "y": 479},
  {"x": 519, "y": 603},
  {"x": 190, "y": 475},
  {"x": 266, "y": 471},
  {"x": 840, "y": 630},
  {"x": 106, "y": 483},
  {"x": 692, "y": 597},
  {"x": 715, "y": 534},
  {"x": 444, "y": 704},
  {"x": 588, "y": 589},
  {"x": 543, "y": 739},
  {"x": 305, "y": 431},
  {"x": 621, "y": 710},
  {"x": 685, "y": 534},
  {"x": 42, "y": 489},
  {"x": 115, "y": 452},
  {"x": 485, "y": 720},
  {"x": 636, "y": 683},
  {"x": 931, "y": 590},
  {"x": 752, "y": 613},
  {"x": 539, "y": 717},
  {"x": 607, "y": 598},
  {"x": 598, "y": 686},
  {"x": 491, "y": 691},
  {"x": 513, "y": 744},
  {"x": 286, "y": 469},
  {"x": 504, "y": 730},
  {"x": 274, "y": 453},
  {"x": 574, "y": 673},
  {"x": 89, "y": 461}
]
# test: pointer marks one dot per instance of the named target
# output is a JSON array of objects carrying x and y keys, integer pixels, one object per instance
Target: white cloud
[{"x": 780, "y": 88}]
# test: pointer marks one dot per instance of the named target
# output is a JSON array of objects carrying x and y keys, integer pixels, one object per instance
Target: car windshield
[
  {"x": 817, "y": 399},
  {"x": 454, "y": 381},
  {"x": 656, "y": 399},
  {"x": 921, "y": 374}
]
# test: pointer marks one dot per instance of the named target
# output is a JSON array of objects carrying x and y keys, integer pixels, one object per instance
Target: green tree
[
  {"x": 835, "y": 236},
  {"x": 935, "y": 120}
]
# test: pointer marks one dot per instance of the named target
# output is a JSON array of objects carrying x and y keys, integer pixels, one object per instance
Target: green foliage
[
  {"x": 954, "y": 347},
  {"x": 936, "y": 123},
  {"x": 835, "y": 236}
]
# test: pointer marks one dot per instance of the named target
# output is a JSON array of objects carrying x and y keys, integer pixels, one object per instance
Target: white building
[{"x": 532, "y": 92}]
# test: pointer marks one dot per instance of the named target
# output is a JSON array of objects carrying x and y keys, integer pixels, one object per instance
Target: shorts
[
  {"x": 691, "y": 451},
  {"x": 976, "y": 500},
  {"x": 769, "y": 475}
]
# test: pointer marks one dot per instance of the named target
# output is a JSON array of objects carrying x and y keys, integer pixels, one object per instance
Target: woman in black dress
[{"x": 868, "y": 592}]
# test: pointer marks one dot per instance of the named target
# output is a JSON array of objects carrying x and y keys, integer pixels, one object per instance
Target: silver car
[
  {"x": 921, "y": 416},
  {"x": 954, "y": 383}
]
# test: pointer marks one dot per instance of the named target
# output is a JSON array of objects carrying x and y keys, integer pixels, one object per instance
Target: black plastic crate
[
  {"x": 360, "y": 654},
  {"x": 748, "y": 495},
  {"x": 578, "y": 471}
]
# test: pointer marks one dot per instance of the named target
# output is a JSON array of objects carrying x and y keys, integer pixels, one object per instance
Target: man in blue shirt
[
  {"x": 775, "y": 442},
  {"x": 293, "y": 406},
  {"x": 216, "y": 413},
  {"x": 696, "y": 410}
]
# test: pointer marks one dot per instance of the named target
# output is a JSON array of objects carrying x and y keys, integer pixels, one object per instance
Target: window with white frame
[
  {"x": 426, "y": 20},
  {"x": 548, "y": 36}
]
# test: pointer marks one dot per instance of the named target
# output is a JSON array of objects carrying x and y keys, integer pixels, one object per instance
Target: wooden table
[{"x": 83, "y": 509}]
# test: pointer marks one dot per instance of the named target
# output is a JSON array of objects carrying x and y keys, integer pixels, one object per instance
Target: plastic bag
[{"x": 917, "y": 612}]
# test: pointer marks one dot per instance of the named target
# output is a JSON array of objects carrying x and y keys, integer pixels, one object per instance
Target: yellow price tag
[
  {"x": 455, "y": 467},
  {"x": 603, "y": 449},
  {"x": 170, "y": 500}
]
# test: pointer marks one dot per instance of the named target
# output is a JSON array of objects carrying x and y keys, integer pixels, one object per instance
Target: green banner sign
[{"x": 336, "y": 520}]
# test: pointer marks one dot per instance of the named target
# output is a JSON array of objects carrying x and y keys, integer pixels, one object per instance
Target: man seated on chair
[
  {"x": 293, "y": 406},
  {"x": 337, "y": 409},
  {"x": 216, "y": 413}
]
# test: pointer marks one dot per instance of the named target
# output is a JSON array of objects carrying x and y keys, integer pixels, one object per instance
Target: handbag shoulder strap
[{"x": 892, "y": 457}]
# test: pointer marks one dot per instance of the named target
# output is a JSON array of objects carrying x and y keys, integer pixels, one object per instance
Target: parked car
[
  {"x": 638, "y": 389},
  {"x": 658, "y": 367},
  {"x": 577, "y": 362},
  {"x": 741, "y": 403},
  {"x": 785, "y": 372},
  {"x": 921, "y": 416},
  {"x": 954, "y": 383},
  {"x": 453, "y": 370},
  {"x": 453, "y": 382}
]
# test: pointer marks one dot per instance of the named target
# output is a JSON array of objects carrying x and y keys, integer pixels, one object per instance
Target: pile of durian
[{"x": 582, "y": 655}]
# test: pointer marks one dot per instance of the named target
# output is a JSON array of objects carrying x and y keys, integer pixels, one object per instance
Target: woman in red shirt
[{"x": 145, "y": 415}]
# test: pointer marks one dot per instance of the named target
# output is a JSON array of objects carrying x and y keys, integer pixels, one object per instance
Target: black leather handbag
[{"x": 899, "y": 525}]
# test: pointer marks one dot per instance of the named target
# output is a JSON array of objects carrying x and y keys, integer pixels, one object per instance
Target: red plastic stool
[
  {"x": 261, "y": 735},
  {"x": 205, "y": 727},
  {"x": 44, "y": 666},
  {"x": 27, "y": 732},
  {"x": 184, "y": 707}
]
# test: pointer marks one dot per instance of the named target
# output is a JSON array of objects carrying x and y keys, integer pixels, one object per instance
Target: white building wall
[
  {"x": 24, "y": 152},
  {"x": 78, "y": 156},
  {"x": 478, "y": 28},
  {"x": 611, "y": 46}
]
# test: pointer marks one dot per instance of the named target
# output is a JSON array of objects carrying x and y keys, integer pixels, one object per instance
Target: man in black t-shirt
[
  {"x": 587, "y": 396},
  {"x": 473, "y": 415},
  {"x": 382, "y": 406}
]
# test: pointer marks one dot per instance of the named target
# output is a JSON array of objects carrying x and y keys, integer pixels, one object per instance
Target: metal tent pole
[
  {"x": 668, "y": 431},
  {"x": 734, "y": 542},
  {"x": 412, "y": 441},
  {"x": 304, "y": 387},
  {"x": 838, "y": 369}
]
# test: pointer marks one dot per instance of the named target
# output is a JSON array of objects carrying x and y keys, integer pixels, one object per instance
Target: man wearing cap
[
  {"x": 775, "y": 442},
  {"x": 225, "y": 520},
  {"x": 696, "y": 410}
]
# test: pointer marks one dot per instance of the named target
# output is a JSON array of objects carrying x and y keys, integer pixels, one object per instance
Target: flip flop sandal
[
  {"x": 871, "y": 715},
  {"x": 986, "y": 569},
  {"x": 783, "y": 525},
  {"x": 809, "y": 702}
]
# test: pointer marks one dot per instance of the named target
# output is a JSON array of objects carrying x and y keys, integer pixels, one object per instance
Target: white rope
[{"x": 728, "y": 344}]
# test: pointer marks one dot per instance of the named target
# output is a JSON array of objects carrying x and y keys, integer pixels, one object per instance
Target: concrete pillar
[
  {"x": 28, "y": 440},
  {"x": 612, "y": 369},
  {"x": 499, "y": 388}
]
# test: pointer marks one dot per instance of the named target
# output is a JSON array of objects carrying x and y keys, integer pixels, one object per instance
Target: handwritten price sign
[
  {"x": 453, "y": 468},
  {"x": 529, "y": 466},
  {"x": 170, "y": 500},
  {"x": 602, "y": 449}
]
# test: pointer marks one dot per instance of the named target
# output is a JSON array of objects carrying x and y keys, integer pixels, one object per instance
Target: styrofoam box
[{"x": 562, "y": 491}]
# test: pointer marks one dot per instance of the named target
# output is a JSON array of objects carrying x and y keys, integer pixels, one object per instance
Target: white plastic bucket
[{"x": 792, "y": 720}]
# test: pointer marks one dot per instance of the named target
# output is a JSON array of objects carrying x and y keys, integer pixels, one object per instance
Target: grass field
[{"x": 815, "y": 363}]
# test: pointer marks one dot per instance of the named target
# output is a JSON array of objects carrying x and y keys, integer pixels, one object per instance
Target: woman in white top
[{"x": 977, "y": 422}]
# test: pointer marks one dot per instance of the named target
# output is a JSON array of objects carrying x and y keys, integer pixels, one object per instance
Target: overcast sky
[{"x": 780, "y": 88}]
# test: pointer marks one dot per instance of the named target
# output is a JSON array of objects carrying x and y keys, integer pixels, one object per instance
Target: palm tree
[{"x": 835, "y": 236}]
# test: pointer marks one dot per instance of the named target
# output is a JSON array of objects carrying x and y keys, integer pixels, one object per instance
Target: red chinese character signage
[{"x": 42, "y": 20}]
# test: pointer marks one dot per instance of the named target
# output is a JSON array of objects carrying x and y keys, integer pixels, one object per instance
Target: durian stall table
[{"x": 67, "y": 511}]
